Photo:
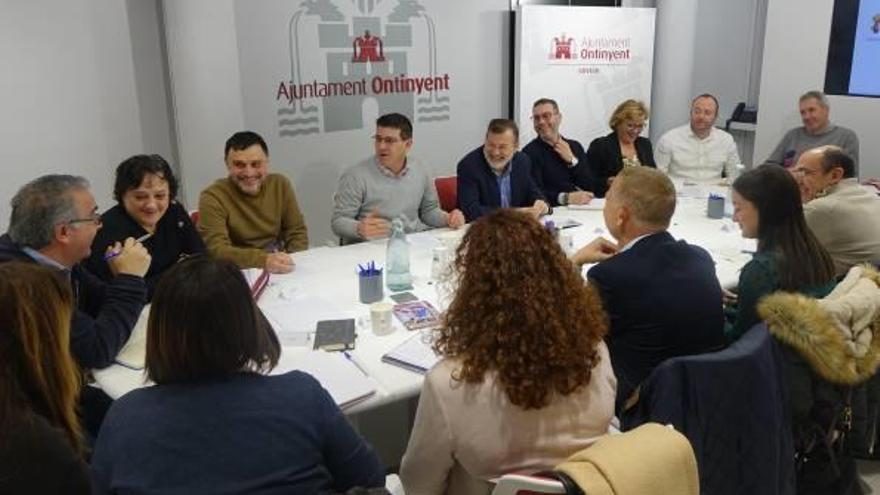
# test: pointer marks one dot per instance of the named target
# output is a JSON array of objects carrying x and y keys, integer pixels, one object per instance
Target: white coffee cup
[{"x": 380, "y": 314}]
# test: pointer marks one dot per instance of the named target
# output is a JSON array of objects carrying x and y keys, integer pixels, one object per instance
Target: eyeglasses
[
  {"x": 543, "y": 116},
  {"x": 634, "y": 126},
  {"x": 386, "y": 140},
  {"x": 93, "y": 218}
]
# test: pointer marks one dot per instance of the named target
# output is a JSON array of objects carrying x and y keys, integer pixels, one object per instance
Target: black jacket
[
  {"x": 105, "y": 314},
  {"x": 36, "y": 458},
  {"x": 731, "y": 406},
  {"x": 175, "y": 235},
  {"x": 663, "y": 300},
  {"x": 606, "y": 161}
]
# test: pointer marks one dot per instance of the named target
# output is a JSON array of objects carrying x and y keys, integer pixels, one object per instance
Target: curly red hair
[{"x": 521, "y": 310}]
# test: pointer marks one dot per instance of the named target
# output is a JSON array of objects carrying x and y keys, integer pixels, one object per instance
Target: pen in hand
[{"x": 109, "y": 256}]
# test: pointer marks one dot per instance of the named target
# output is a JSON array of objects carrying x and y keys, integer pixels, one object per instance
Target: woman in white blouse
[{"x": 526, "y": 380}]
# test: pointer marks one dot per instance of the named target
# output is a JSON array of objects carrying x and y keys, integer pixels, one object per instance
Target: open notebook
[
  {"x": 414, "y": 353},
  {"x": 342, "y": 378},
  {"x": 134, "y": 351}
]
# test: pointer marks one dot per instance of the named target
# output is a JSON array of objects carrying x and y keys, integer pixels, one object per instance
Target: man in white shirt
[{"x": 698, "y": 151}]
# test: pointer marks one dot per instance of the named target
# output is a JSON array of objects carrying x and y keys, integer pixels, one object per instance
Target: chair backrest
[
  {"x": 519, "y": 484},
  {"x": 447, "y": 192}
]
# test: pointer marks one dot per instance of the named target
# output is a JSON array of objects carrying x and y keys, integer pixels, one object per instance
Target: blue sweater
[
  {"x": 246, "y": 434},
  {"x": 552, "y": 174}
]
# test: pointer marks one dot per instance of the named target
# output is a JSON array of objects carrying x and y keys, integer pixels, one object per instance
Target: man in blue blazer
[
  {"x": 661, "y": 295},
  {"x": 496, "y": 175}
]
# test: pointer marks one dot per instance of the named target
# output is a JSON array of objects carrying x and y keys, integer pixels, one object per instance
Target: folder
[{"x": 414, "y": 353}]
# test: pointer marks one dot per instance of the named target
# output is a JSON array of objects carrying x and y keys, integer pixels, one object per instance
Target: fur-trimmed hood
[{"x": 839, "y": 335}]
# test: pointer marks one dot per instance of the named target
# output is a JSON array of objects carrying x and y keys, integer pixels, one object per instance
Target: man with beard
[
  {"x": 252, "y": 217},
  {"x": 496, "y": 175}
]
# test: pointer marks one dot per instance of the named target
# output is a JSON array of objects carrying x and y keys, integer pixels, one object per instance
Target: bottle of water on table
[{"x": 397, "y": 275}]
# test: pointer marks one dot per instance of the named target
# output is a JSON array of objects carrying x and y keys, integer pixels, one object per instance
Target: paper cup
[{"x": 380, "y": 314}]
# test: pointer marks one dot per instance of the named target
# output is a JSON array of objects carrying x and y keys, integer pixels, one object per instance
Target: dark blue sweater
[
  {"x": 246, "y": 434},
  {"x": 552, "y": 174},
  {"x": 105, "y": 312}
]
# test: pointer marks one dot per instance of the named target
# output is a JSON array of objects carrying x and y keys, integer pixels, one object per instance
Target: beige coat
[
  {"x": 836, "y": 335},
  {"x": 666, "y": 464},
  {"x": 846, "y": 221}
]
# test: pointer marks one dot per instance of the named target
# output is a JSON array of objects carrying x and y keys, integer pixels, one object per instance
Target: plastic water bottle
[{"x": 397, "y": 275}]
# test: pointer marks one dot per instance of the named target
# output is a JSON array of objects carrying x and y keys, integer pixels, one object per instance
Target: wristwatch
[
  {"x": 563, "y": 199},
  {"x": 574, "y": 161}
]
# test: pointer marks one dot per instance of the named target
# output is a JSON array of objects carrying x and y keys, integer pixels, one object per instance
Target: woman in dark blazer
[{"x": 623, "y": 147}]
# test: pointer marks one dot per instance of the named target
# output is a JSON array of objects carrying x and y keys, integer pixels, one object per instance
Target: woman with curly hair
[{"x": 526, "y": 380}]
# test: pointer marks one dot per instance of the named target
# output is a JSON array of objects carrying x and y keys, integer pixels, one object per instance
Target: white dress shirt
[{"x": 682, "y": 154}]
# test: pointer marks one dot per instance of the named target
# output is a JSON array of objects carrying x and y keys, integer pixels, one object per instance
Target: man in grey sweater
[
  {"x": 387, "y": 186},
  {"x": 816, "y": 131}
]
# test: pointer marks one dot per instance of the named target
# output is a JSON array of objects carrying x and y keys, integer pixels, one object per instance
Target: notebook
[
  {"x": 133, "y": 353},
  {"x": 335, "y": 335},
  {"x": 417, "y": 314},
  {"x": 414, "y": 353},
  {"x": 341, "y": 377}
]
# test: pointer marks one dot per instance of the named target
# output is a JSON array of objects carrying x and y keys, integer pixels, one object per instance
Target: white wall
[
  {"x": 795, "y": 53},
  {"x": 73, "y": 99},
  {"x": 226, "y": 58}
]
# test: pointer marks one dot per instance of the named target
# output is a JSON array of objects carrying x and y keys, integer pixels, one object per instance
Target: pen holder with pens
[
  {"x": 370, "y": 288},
  {"x": 715, "y": 207}
]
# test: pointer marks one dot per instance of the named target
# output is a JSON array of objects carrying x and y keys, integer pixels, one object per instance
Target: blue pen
[
  {"x": 111, "y": 255},
  {"x": 355, "y": 363}
]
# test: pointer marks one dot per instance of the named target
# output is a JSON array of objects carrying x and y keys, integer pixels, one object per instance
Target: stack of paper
[{"x": 414, "y": 354}]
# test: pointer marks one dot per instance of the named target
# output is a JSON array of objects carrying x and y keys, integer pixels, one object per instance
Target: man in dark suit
[
  {"x": 662, "y": 296},
  {"x": 496, "y": 175}
]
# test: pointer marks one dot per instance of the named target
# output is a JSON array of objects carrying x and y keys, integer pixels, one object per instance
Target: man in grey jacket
[
  {"x": 387, "y": 186},
  {"x": 816, "y": 131},
  {"x": 843, "y": 215}
]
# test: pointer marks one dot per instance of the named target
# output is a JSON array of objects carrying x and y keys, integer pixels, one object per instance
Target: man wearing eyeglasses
[
  {"x": 54, "y": 220},
  {"x": 389, "y": 185},
  {"x": 559, "y": 164}
]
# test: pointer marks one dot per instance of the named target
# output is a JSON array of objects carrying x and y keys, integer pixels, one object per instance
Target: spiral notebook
[{"x": 414, "y": 353}]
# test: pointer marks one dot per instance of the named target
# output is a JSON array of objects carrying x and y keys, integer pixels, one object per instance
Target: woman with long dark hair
[
  {"x": 767, "y": 206},
  {"x": 40, "y": 435}
]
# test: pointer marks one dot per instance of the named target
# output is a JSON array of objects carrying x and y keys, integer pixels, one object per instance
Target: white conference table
[{"x": 324, "y": 285}]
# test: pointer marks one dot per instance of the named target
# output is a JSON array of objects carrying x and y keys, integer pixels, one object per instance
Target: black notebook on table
[{"x": 335, "y": 335}]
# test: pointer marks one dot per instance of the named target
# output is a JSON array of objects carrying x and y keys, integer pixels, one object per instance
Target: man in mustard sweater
[{"x": 252, "y": 217}]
